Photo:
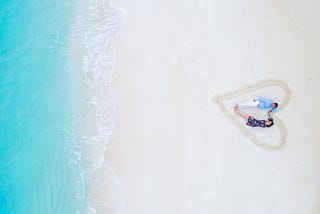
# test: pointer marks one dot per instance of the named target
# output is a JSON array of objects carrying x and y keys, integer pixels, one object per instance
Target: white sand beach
[{"x": 174, "y": 150}]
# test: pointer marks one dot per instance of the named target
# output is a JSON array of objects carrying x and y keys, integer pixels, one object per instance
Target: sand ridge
[{"x": 279, "y": 123}]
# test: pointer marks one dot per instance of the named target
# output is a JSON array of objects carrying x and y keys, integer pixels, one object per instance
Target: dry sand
[{"x": 173, "y": 149}]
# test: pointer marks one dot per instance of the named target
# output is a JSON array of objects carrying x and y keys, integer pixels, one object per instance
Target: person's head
[
  {"x": 274, "y": 105},
  {"x": 269, "y": 123}
]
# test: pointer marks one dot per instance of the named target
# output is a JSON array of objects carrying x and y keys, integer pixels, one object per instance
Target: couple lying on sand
[{"x": 260, "y": 103}]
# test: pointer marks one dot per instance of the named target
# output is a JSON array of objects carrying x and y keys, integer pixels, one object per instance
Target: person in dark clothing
[{"x": 253, "y": 122}]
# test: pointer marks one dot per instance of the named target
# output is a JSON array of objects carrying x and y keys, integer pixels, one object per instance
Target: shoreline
[{"x": 93, "y": 45}]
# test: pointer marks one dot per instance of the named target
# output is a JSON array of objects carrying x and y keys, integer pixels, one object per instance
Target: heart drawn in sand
[{"x": 220, "y": 101}]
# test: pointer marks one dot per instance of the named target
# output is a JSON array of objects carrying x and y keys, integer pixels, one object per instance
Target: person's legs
[
  {"x": 250, "y": 103},
  {"x": 244, "y": 115}
]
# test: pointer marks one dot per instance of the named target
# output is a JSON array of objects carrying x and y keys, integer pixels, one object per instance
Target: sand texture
[{"x": 177, "y": 147}]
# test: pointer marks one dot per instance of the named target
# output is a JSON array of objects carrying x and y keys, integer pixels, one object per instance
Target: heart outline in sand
[{"x": 251, "y": 88}]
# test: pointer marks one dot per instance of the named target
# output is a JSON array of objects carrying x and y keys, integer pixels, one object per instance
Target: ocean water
[{"x": 56, "y": 105}]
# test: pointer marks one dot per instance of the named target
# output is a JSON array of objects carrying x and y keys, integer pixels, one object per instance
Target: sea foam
[{"x": 93, "y": 46}]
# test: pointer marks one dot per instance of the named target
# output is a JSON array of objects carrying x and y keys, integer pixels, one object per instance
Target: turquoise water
[{"x": 36, "y": 175}]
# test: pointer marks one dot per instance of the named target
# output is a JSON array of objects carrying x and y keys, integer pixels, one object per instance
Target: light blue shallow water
[{"x": 35, "y": 172}]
